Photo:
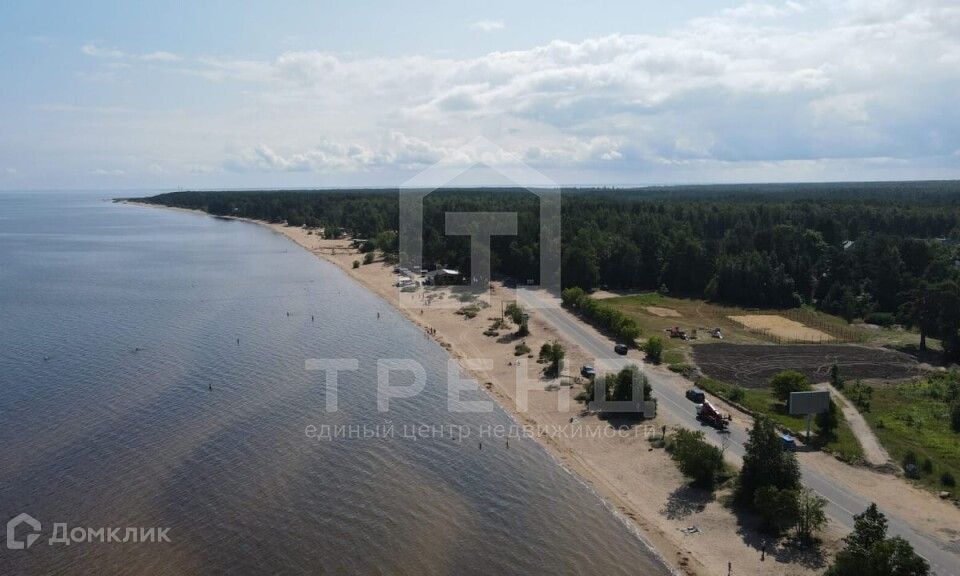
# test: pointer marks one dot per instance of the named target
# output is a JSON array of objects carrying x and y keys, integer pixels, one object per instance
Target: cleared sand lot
[{"x": 781, "y": 327}]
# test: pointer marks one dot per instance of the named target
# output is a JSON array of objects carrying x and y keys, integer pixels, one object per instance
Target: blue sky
[{"x": 227, "y": 94}]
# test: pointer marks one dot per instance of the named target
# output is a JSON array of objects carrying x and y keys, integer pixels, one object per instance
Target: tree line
[{"x": 884, "y": 251}]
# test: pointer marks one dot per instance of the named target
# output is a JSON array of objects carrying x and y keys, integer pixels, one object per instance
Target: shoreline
[{"x": 638, "y": 484}]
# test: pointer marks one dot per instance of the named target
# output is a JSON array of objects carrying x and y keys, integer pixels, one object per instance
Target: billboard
[{"x": 806, "y": 403}]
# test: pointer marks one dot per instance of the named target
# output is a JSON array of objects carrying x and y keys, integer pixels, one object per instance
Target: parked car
[
  {"x": 696, "y": 395},
  {"x": 789, "y": 443},
  {"x": 620, "y": 348},
  {"x": 588, "y": 372}
]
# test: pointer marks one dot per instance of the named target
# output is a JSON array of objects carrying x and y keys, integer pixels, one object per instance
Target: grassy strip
[
  {"x": 843, "y": 445},
  {"x": 913, "y": 417},
  {"x": 673, "y": 356}
]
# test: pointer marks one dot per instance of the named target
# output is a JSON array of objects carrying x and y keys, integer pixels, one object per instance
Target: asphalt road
[{"x": 841, "y": 503}]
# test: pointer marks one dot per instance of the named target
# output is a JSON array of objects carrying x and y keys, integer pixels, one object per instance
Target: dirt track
[
  {"x": 873, "y": 451},
  {"x": 752, "y": 366}
]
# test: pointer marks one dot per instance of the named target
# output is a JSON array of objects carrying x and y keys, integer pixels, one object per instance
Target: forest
[{"x": 888, "y": 252}]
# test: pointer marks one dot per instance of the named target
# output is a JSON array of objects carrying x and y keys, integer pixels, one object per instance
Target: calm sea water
[{"x": 126, "y": 401}]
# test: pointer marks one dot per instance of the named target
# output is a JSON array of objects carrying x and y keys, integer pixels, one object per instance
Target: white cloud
[
  {"x": 160, "y": 56},
  {"x": 96, "y": 51},
  {"x": 394, "y": 150},
  {"x": 108, "y": 172},
  {"x": 92, "y": 49},
  {"x": 754, "y": 86},
  {"x": 488, "y": 25},
  {"x": 762, "y": 10},
  {"x": 847, "y": 108}
]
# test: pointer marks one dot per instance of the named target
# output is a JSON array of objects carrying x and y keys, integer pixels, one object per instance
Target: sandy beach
[{"x": 694, "y": 533}]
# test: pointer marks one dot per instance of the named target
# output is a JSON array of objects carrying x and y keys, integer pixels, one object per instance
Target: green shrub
[
  {"x": 469, "y": 311},
  {"x": 789, "y": 381},
  {"x": 356, "y": 263},
  {"x": 524, "y": 329},
  {"x": 514, "y": 312},
  {"x": 552, "y": 353},
  {"x": 947, "y": 479},
  {"x": 836, "y": 377},
  {"x": 654, "y": 349},
  {"x": 884, "y": 319},
  {"x": 368, "y": 258},
  {"x": 619, "y": 386},
  {"x": 696, "y": 458},
  {"x": 860, "y": 394},
  {"x": 545, "y": 351},
  {"x": 521, "y": 349},
  {"x": 737, "y": 394},
  {"x": 572, "y": 296}
]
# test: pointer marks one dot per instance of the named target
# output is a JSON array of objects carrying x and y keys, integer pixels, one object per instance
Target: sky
[{"x": 226, "y": 94}]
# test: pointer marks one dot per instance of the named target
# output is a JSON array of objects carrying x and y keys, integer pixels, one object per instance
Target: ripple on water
[{"x": 99, "y": 435}]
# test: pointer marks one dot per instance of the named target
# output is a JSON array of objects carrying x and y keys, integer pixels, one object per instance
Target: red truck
[{"x": 708, "y": 414}]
